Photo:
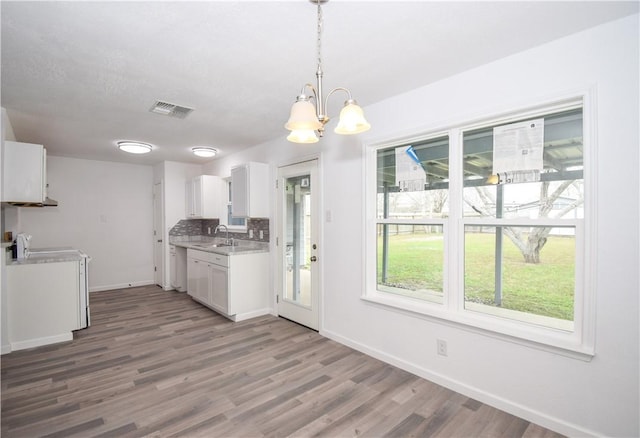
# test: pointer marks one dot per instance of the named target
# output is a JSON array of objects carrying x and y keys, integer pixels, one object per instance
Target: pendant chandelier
[{"x": 307, "y": 121}]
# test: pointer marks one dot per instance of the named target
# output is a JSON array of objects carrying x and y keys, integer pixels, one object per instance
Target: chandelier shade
[
  {"x": 352, "y": 120},
  {"x": 303, "y": 136},
  {"x": 307, "y": 121},
  {"x": 303, "y": 116}
]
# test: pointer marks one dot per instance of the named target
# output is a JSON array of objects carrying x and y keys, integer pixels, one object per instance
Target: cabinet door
[
  {"x": 24, "y": 172},
  {"x": 240, "y": 191},
  {"x": 250, "y": 190},
  {"x": 211, "y": 196},
  {"x": 219, "y": 292},
  {"x": 197, "y": 197},
  {"x": 173, "y": 268},
  {"x": 202, "y": 286},
  {"x": 188, "y": 199},
  {"x": 192, "y": 276}
]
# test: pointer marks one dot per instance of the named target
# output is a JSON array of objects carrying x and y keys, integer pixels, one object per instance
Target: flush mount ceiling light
[
  {"x": 205, "y": 152},
  {"x": 305, "y": 119},
  {"x": 134, "y": 147}
]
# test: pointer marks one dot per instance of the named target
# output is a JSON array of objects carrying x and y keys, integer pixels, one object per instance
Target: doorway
[{"x": 298, "y": 246}]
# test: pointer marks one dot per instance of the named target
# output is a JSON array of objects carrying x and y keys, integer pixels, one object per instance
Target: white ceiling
[{"x": 78, "y": 76}]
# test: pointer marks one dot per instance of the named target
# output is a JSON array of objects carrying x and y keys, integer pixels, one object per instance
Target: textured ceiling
[{"x": 78, "y": 76}]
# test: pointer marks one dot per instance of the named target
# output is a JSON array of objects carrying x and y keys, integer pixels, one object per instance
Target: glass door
[{"x": 297, "y": 243}]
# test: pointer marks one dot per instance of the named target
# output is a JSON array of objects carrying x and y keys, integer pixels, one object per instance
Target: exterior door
[
  {"x": 158, "y": 232},
  {"x": 298, "y": 246}
]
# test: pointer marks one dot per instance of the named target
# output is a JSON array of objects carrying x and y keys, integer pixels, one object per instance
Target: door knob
[{"x": 313, "y": 258}]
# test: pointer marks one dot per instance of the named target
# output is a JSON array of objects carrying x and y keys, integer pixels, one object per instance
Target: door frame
[
  {"x": 319, "y": 200},
  {"x": 159, "y": 234}
]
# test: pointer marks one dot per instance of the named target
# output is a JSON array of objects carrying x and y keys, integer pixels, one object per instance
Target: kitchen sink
[{"x": 212, "y": 245}]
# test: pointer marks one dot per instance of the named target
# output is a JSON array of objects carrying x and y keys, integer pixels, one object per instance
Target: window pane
[
  {"x": 415, "y": 184},
  {"x": 557, "y": 191},
  {"x": 411, "y": 260},
  {"x": 522, "y": 273}
]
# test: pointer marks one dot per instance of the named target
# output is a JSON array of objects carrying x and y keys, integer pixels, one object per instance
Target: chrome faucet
[{"x": 227, "y": 241}]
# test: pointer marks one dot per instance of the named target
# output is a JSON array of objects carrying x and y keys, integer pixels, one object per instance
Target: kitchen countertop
[
  {"x": 203, "y": 244},
  {"x": 48, "y": 255}
]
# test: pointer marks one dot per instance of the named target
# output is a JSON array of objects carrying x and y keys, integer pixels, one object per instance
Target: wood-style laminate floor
[{"x": 155, "y": 363}]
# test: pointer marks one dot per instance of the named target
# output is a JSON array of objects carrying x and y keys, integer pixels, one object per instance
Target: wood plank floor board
[{"x": 156, "y": 363}]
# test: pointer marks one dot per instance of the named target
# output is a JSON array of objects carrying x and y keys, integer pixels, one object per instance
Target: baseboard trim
[
  {"x": 5, "y": 349},
  {"x": 39, "y": 342},
  {"x": 493, "y": 400},
  {"x": 120, "y": 286},
  {"x": 248, "y": 315}
]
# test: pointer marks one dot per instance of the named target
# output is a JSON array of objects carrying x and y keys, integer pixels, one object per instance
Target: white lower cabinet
[
  {"x": 198, "y": 279},
  {"x": 43, "y": 302},
  {"x": 219, "y": 287},
  {"x": 235, "y": 286}
]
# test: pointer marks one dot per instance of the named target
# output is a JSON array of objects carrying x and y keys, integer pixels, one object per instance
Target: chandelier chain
[{"x": 319, "y": 42}]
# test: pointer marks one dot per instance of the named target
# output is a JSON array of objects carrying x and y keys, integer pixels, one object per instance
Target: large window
[{"x": 484, "y": 225}]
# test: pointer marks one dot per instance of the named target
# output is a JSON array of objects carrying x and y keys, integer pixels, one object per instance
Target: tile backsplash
[{"x": 200, "y": 227}]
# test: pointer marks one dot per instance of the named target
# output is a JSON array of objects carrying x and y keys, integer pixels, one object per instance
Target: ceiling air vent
[{"x": 170, "y": 109}]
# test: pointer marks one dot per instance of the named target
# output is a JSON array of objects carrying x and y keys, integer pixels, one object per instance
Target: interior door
[
  {"x": 298, "y": 246},
  {"x": 158, "y": 245}
]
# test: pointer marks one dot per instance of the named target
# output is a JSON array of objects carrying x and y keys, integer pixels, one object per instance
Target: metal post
[{"x": 498, "y": 254}]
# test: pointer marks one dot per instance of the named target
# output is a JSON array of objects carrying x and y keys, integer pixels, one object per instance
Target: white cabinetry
[
  {"x": 24, "y": 172},
  {"x": 44, "y": 303},
  {"x": 178, "y": 268},
  {"x": 219, "y": 286},
  {"x": 235, "y": 286},
  {"x": 250, "y": 190},
  {"x": 198, "y": 278},
  {"x": 203, "y": 196}
]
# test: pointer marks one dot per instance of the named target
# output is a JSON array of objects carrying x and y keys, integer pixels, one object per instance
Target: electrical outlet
[
  {"x": 261, "y": 234},
  {"x": 442, "y": 347},
  {"x": 209, "y": 230},
  {"x": 250, "y": 234}
]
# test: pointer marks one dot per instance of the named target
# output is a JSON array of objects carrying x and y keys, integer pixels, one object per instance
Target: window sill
[{"x": 556, "y": 341}]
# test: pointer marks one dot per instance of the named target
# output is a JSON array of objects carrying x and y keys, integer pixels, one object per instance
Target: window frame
[
  {"x": 579, "y": 343},
  {"x": 224, "y": 217}
]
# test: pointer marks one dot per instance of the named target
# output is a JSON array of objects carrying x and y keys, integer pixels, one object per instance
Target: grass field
[{"x": 415, "y": 265}]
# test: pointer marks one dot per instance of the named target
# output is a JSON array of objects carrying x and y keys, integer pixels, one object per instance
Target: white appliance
[
  {"x": 22, "y": 242},
  {"x": 83, "y": 277}
]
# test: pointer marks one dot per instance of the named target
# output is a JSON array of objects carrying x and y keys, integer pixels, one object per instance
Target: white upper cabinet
[
  {"x": 204, "y": 197},
  {"x": 250, "y": 190},
  {"x": 24, "y": 172}
]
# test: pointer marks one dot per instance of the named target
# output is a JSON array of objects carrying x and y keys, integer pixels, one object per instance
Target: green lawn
[{"x": 415, "y": 265}]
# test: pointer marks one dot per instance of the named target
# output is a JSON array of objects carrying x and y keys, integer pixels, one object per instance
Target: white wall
[
  {"x": 104, "y": 209},
  {"x": 572, "y": 396}
]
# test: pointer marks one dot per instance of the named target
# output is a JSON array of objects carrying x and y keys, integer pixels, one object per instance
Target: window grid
[{"x": 579, "y": 342}]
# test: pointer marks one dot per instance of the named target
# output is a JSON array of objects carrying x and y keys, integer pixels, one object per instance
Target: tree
[{"x": 530, "y": 244}]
